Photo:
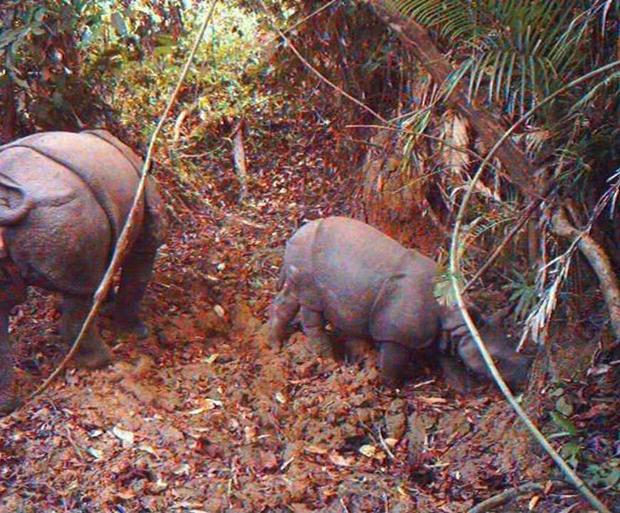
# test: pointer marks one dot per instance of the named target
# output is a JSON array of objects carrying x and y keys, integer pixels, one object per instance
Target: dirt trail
[{"x": 203, "y": 416}]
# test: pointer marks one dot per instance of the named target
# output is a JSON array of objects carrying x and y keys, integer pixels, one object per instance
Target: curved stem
[{"x": 455, "y": 270}]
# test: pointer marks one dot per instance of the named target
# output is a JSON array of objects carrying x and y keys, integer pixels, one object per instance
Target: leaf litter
[{"x": 204, "y": 416}]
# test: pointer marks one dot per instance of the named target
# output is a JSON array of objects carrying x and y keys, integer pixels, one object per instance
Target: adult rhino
[
  {"x": 64, "y": 198},
  {"x": 369, "y": 287}
]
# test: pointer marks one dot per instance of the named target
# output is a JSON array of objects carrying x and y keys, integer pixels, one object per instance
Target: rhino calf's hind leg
[
  {"x": 394, "y": 363},
  {"x": 93, "y": 353},
  {"x": 283, "y": 310},
  {"x": 8, "y": 399},
  {"x": 313, "y": 324},
  {"x": 135, "y": 276}
]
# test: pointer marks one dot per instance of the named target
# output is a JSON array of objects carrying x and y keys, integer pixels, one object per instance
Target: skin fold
[
  {"x": 64, "y": 198},
  {"x": 367, "y": 287}
]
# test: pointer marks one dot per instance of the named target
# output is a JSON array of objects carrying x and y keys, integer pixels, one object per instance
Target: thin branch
[
  {"x": 317, "y": 72},
  {"x": 239, "y": 159},
  {"x": 599, "y": 261},
  {"x": 507, "y": 495},
  {"x": 122, "y": 243},
  {"x": 454, "y": 273},
  {"x": 515, "y": 229},
  {"x": 303, "y": 20}
]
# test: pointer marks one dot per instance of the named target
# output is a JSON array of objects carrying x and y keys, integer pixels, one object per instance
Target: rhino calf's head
[{"x": 513, "y": 366}]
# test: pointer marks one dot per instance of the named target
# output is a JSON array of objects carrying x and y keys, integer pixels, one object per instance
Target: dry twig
[{"x": 505, "y": 496}]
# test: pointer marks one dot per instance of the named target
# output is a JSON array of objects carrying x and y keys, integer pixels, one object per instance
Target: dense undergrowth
[{"x": 74, "y": 63}]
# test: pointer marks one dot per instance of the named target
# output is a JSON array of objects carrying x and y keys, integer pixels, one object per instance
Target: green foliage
[
  {"x": 519, "y": 50},
  {"x": 511, "y": 55},
  {"x": 41, "y": 45},
  {"x": 523, "y": 292},
  {"x": 580, "y": 448},
  {"x": 605, "y": 476},
  {"x": 223, "y": 81},
  {"x": 68, "y": 62}
]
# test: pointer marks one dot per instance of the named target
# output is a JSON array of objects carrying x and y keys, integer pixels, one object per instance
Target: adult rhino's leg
[
  {"x": 8, "y": 399},
  {"x": 135, "y": 277},
  {"x": 313, "y": 324},
  {"x": 283, "y": 310},
  {"x": 394, "y": 363},
  {"x": 93, "y": 353}
]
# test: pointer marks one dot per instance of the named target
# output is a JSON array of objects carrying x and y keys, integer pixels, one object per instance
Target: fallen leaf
[
  {"x": 159, "y": 486},
  {"x": 126, "y": 495},
  {"x": 211, "y": 359},
  {"x": 268, "y": 460},
  {"x": 433, "y": 400},
  {"x": 368, "y": 450},
  {"x": 339, "y": 460},
  {"x": 209, "y": 404},
  {"x": 299, "y": 507},
  {"x": 314, "y": 449},
  {"x": 148, "y": 449},
  {"x": 182, "y": 470},
  {"x": 95, "y": 453},
  {"x": 127, "y": 437}
]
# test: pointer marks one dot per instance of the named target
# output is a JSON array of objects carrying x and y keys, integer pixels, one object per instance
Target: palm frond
[{"x": 518, "y": 51}]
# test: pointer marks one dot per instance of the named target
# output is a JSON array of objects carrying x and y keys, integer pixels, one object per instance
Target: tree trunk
[{"x": 486, "y": 125}]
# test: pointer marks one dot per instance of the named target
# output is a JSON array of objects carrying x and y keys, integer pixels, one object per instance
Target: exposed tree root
[
  {"x": 599, "y": 260},
  {"x": 506, "y": 496}
]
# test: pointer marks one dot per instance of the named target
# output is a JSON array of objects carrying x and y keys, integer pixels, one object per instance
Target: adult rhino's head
[{"x": 513, "y": 366}]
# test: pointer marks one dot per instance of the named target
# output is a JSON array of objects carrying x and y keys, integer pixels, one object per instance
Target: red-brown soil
[{"x": 203, "y": 416}]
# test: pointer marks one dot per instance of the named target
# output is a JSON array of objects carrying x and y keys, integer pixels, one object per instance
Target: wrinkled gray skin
[
  {"x": 368, "y": 287},
  {"x": 64, "y": 198}
]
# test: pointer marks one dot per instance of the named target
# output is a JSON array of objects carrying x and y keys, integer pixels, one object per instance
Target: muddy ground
[{"x": 203, "y": 416}]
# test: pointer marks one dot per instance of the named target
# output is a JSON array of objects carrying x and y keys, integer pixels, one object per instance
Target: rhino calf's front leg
[
  {"x": 393, "y": 363},
  {"x": 313, "y": 324}
]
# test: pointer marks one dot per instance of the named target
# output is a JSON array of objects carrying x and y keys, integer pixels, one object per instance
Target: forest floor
[{"x": 203, "y": 416}]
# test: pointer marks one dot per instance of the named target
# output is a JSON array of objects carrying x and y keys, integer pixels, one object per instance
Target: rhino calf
[
  {"x": 64, "y": 198},
  {"x": 367, "y": 286}
]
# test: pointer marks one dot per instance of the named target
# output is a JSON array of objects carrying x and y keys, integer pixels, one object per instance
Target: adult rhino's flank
[
  {"x": 64, "y": 198},
  {"x": 369, "y": 287}
]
